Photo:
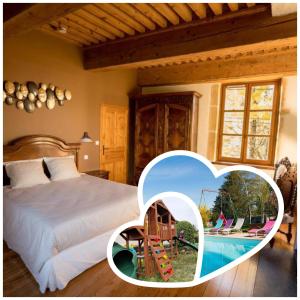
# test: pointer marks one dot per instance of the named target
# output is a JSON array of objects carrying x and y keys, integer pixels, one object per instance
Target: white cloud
[{"x": 180, "y": 210}]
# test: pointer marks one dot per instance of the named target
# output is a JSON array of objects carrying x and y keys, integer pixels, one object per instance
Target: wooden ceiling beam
[
  {"x": 199, "y": 9},
  {"x": 81, "y": 37},
  {"x": 34, "y": 16},
  {"x": 233, "y": 6},
  {"x": 205, "y": 36},
  {"x": 113, "y": 10},
  {"x": 74, "y": 31},
  {"x": 79, "y": 20},
  {"x": 281, "y": 62},
  {"x": 183, "y": 11},
  {"x": 167, "y": 12},
  {"x": 151, "y": 13},
  {"x": 217, "y": 8},
  {"x": 89, "y": 13},
  {"x": 68, "y": 38},
  {"x": 112, "y": 20},
  {"x": 77, "y": 25},
  {"x": 135, "y": 14}
]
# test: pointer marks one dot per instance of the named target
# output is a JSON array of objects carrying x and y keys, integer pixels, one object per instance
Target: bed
[{"x": 62, "y": 228}]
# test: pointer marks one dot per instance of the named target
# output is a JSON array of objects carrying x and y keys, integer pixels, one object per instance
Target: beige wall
[
  {"x": 43, "y": 58},
  {"x": 287, "y": 135},
  {"x": 209, "y": 111}
]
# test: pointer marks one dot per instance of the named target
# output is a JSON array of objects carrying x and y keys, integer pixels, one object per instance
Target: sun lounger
[
  {"x": 265, "y": 230},
  {"x": 226, "y": 226},
  {"x": 217, "y": 226},
  {"x": 238, "y": 226}
]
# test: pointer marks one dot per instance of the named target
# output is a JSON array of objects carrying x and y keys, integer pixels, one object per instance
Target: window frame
[{"x": 273, "y": 128}]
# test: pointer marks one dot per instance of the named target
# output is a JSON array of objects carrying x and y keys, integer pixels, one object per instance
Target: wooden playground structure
[{"x": 159, "y": 227}]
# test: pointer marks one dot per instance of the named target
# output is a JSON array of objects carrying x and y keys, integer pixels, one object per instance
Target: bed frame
[{"x": 37, "y": 146}]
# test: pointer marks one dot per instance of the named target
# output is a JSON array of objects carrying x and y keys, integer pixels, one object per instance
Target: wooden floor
[
  {"x": 277, "y": 269},
  {"x": 101, "y": 281}
]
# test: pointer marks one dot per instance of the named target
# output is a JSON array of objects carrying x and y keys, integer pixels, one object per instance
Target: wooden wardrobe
[{"x": 161, "y": 123}]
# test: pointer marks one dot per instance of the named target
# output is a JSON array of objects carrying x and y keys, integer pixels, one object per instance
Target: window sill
[{"x": 226, "y": 163}]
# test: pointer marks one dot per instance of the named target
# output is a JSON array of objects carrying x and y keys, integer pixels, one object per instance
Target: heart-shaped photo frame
[
  {"x": 189, "y": 174},
  {"x": 174, "y": 261}
]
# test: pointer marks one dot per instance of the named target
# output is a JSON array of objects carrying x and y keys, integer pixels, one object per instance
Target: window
[{"x": 248, "y": 122}]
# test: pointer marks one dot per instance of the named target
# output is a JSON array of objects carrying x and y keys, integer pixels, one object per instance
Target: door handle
[{"x": 104, "y": 148}]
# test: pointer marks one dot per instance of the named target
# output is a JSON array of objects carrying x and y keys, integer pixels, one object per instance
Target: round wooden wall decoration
[
  {"x": 38, "y": 104},
  {"x": 19, "y": 95},
  {"x": 24, "y": 90},
  {"x": 50, "y": 103},
  {"x": 52, "y": 87},
  {"x": 32, "y": 87},
  {"x": 30, "y": 95},
  {"x": 17, "y": 86},
  {"x": 50, "y": 94},
  {"x": 9, "y": 87},
  {"x": 44, "y": 86},
  {"x": 42, "y": 95},
  {"x": 29, "y": 106},
  {"x": 20, "y": 105},
  {"x": 9, "y": 100},
  {"x": 59, "y": 93},
  {"x": 68, "y": 95}
]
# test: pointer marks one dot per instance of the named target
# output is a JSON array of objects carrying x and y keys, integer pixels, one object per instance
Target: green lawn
[{"x": 184, "y": 268}]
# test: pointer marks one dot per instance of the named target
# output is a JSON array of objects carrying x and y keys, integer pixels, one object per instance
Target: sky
[
  {"x": 182, "y": 174},
  {"x": 180, "y": 210}
]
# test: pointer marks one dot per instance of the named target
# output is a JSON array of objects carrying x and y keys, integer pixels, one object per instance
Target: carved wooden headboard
[{"x": 37, "y": 146}]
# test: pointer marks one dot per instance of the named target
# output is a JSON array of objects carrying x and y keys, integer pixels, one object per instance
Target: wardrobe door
[
  {"x": 177, "y": 127},
  {"x": 146, "y": 137}
]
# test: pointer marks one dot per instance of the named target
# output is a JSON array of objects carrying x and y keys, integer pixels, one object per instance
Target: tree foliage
[
  {"x": 190, "y": 231},
  {"x": 242, "y": 195},
  {"x": 205, "y": 214}
]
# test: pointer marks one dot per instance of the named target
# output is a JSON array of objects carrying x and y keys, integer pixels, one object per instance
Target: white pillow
[
  {"x": 26, "y": 173},
  {"x": 61, "y": 168}
]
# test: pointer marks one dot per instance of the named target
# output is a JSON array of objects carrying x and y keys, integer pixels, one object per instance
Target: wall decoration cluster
[{"x": 29, "y": 96}]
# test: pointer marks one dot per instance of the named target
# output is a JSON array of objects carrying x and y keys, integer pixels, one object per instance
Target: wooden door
[
  {"x": 113, "y": 141},
  {"x": 146, "y": 137},
  {"x": 177, "y": 127}
]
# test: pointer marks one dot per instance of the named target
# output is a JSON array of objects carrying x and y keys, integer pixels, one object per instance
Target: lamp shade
[{"x": 85, "y": 138}]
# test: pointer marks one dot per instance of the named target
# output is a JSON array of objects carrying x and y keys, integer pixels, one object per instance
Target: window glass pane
[
  {"x": 262, "y": 97},
  {"x": 258, "y": 148},
  {"x": 235, "y": 97},
  {"x": 231, "y": 146},
  {"x": 233, "y": 122},
  {"x": 260, "y": 123}
]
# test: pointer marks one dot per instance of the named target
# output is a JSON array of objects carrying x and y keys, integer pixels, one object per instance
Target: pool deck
[{"x": 237, "y": 235}]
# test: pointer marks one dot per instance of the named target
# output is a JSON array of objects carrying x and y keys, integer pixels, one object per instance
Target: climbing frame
[{"x": 161, "y": 258}]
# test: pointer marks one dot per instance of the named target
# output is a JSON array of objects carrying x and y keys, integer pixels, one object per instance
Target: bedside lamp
[{"x": 85, "y": 138}]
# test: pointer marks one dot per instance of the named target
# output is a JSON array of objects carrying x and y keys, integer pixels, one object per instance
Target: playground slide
[
  {"x": 125, "y": 260},
  {"x": 187, "y": 243}
]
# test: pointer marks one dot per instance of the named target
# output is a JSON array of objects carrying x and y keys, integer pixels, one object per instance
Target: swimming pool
[{"x": 219, "y": 251}]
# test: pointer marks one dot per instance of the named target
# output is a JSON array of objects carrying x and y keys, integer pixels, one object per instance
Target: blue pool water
[{"x": 219, "y": 251}]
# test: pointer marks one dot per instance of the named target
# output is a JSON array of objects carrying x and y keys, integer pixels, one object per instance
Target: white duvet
[{"x": 42, "y": 221}]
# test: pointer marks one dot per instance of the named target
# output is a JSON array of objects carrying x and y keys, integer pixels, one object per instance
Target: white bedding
[{"x": 42, "y": 221}]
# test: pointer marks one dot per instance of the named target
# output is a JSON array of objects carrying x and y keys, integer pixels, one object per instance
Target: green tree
[
  {"x": 244, "y": 195},
  {"x": 190, "y": 231}
]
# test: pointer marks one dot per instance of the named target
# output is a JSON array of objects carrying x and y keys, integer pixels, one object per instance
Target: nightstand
[{"x": 99, "y": 173}]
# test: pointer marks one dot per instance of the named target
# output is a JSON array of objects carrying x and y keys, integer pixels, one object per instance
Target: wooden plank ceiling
[
  {"x": 95, "y": 24},
  {"x": 149, "y": 36}
]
